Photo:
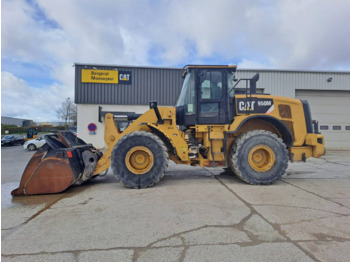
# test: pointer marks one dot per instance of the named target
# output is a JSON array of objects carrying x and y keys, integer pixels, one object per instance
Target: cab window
[
  {"x": 188, "y": 96},
  {"x": 211, "y": 85},
  {"x": 210, "y": 93}
]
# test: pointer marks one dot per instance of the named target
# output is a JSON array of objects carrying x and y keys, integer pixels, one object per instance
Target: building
[
  {"x": 19, "y": 122},
  {"x": 50, "y": 123},
  {"x": 131, "y": 88}
]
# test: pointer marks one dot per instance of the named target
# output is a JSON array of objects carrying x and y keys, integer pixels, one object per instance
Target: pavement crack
[
  {"x": 48, "y": 206},
  {"x": 316, "y": 166},
  {"x": 151, "y": 245},
  {"x": 309, "y": 220},
  {"x": 307, "y": 208},
  {"x": 74, "y": 252},
  {"x": 274, "y": 226},
  {"x": 75, "y": 205},
  {"x": 335, "y": 163},
  {"x": 183, "y": 253},
  {"x": 326, "y": 237},
  {"x": 313, "y": 193}
]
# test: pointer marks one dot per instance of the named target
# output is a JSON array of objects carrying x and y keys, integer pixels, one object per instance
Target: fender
[
  {"x": 176, "y": 145},
  {"x": 164, "y": 138},
  {"x": 287, "y": 136}
]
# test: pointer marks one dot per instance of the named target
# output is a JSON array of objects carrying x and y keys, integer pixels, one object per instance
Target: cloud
[
  {"x": 288, "y": 34},
  {"x": 317, "y": 33},
  {"x": 23, "y": 37},
  {"x": 22, "y": 101},
  {"x": 42, "y": 39},
  {"x": 245, "y": 63}
]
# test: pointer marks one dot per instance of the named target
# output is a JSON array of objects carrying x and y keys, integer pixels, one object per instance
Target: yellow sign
[{"x": 99, "y": 76}]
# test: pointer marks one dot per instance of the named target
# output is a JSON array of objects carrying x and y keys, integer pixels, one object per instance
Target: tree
[{"x": 67, "y": 111}]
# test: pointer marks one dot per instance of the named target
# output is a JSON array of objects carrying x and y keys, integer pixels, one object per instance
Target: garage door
[{"x": 332, "y": 110}]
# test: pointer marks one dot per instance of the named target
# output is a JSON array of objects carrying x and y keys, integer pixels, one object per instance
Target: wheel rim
[
  {"x": 31, "y": 147},
  {"x": 139, "y": 160},
  {"x": 261, "y": 158}
]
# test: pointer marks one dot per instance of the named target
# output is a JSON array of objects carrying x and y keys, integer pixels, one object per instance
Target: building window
[
  {"x": 324, "y": 127},
  {"x": 336, "y": 127}
]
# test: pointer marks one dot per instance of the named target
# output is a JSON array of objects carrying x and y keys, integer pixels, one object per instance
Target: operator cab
[{"x": 204, "y": 98}]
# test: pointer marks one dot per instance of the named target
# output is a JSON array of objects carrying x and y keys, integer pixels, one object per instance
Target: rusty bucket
[{"x": 63, "y": 161}]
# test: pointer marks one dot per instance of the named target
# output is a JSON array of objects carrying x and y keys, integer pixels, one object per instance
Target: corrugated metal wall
[
  {"x": 16, "y": 121},
  {"x": 164, "y": 84},
  {"x": 147, "y": 84},
  {"x": 284, "y": 83}
]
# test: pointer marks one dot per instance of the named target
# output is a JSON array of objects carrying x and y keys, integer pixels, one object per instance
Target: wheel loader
[
  {"x": 218, "y": 121},
  {"x": 32, "y": 133}
]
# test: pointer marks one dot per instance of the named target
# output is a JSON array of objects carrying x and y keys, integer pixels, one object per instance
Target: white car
[{"x": 34, "y": 144}]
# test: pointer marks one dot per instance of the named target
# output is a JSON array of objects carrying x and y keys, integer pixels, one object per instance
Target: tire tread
[
  {"x": 237, "y": 146},
  {"x": 161, "y": 169}
]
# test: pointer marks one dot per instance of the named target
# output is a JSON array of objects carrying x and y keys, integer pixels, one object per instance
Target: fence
[{"x": 23, "y": 130}]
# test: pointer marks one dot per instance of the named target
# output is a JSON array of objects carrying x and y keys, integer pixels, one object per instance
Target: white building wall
[{"x": 88, "y": 113}]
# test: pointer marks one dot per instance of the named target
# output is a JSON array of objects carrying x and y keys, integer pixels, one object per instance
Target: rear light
[{"x": 69, "y": 154}]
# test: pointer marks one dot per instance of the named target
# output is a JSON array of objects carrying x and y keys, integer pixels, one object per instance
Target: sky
[{"x": 42, "y": 39}]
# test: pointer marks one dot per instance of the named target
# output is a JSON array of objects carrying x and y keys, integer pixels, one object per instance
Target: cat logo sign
[{"x": 124, "y": 77}]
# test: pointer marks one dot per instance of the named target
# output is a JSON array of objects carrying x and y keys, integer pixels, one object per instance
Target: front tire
[
  {"x": 139, "y": 159},
  {"x": 31, "y": 147},
  {"x": 259, "y": 157}
]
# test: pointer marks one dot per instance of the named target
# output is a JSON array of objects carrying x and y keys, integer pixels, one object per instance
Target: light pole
[{"x": 68, "y": 111}]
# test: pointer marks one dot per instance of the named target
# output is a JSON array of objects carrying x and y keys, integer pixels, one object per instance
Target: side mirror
[{"x": 184, "y": 73}]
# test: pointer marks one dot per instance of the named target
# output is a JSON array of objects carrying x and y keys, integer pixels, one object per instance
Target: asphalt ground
[{"x": 193, "y": 214}]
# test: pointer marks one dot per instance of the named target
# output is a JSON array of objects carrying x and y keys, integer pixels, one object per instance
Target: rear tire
[
  {"x": 259, "y": 157},
  {"x": 139, "y": 159},
  {"x": 230, "y": 158}
]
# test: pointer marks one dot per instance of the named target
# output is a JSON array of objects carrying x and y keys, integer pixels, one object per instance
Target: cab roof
[
  {"x": 187, "y": 67},
  {"x": 210, "y": 66}
]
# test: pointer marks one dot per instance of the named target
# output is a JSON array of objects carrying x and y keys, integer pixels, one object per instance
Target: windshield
[
  {"x": 181, "y": 99},
  {"x": 230, "y": 84},
  {"x": 8, "y": 137},
  {"x": 187, "y": 96}
]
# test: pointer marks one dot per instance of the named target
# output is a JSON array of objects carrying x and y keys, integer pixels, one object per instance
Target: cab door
[{"x": 212, "y": 90}]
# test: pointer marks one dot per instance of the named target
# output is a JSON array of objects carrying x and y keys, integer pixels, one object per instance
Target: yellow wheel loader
[
  {"x": 32, "y": 133},
  {"x": 218, "y": 121}
]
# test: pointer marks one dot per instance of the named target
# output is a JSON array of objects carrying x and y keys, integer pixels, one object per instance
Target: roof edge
[
  {"x": 131, "y": 66},
  {"x": 238, "y": 68},
  {"x": 292, "y": 70}
]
